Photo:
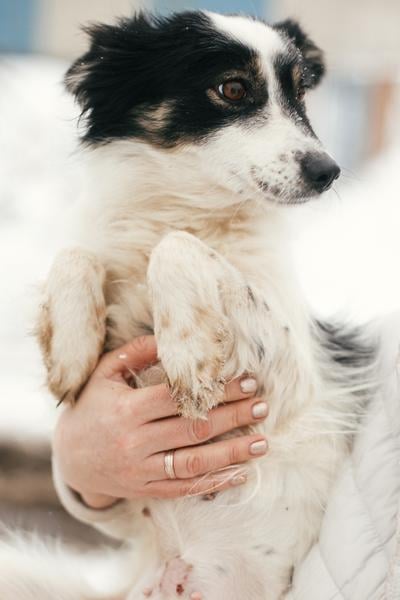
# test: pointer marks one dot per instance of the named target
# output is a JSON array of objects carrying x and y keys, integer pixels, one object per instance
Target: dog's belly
[{"x": 243, "y": 544}]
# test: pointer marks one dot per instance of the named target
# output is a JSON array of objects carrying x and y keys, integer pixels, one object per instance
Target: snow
[
  {"x": 346, "y": 249},
  {"x": 38, "y": 184}
]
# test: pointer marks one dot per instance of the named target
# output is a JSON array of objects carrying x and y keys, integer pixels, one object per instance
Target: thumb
[{"x": 137, "y": 354}]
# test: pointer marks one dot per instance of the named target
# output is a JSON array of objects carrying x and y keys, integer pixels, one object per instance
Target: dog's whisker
[{"x": 351, "y": 174}]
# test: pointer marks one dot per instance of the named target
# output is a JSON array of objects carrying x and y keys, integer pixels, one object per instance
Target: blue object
[
  {"x": 17, "y": 25},
  {"x": 257, "y": 8}
]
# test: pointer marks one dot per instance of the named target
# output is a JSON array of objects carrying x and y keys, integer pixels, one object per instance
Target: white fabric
[
  {"x": 118, "y": 521},
  {"x": 358, "y": 556}
]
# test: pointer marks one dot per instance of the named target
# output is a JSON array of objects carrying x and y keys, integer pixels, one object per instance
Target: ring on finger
[{"x": 169, "y": 464}]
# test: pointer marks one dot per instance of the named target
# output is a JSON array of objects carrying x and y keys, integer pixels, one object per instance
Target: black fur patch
[
  {"x": 346, "y": 347},
  {"x": 291, "y": 92},
  {"x": 312, "y": 57},
  {"x": 301, "y": 68},
  {"x": 151, "y": 77}
]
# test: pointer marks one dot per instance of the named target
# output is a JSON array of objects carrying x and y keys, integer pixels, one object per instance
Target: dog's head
[{"x": 224, "y": 92}]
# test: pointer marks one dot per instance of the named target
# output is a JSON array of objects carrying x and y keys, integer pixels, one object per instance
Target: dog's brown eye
[{"x": 232, "y": 90}]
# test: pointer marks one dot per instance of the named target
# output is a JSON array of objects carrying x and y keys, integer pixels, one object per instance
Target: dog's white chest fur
[{"x": 218, "y": 310}]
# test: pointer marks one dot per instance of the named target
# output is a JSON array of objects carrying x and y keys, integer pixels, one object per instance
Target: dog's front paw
[
  {"x": 71, "y": 322},
  {"x": 195, "y": 400},
  {"x": 194, "y": 335},
  {"x": 69, "y": 359},
  {"x": 196, "y": 366}
]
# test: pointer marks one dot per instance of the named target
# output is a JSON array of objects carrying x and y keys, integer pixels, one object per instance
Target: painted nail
[
  {"x": 259, "y": 410},
  {"x": 122, "y": 356},
  {"x": 248, "y": 385},
  {"x": 259, "y": 447},
  {"x": 238, "y": 479}
]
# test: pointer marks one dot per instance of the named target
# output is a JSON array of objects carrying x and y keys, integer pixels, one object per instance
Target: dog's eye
[{"x": 232, "y": 90}]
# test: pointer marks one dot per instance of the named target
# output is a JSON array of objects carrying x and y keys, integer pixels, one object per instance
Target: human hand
[{"x": 112, "y": 443}]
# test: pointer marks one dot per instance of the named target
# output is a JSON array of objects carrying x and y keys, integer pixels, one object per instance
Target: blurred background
[{"x": 346, "y": 247}]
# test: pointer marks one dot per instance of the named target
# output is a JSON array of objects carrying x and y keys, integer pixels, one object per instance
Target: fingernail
[
  {"x": 238, "y": 479},
  {"x": 122, "y": 356},
  {"x": 259, "y": 447},
  {"x": 259, "y": 410},
  {"x": 248, "y": 385}
]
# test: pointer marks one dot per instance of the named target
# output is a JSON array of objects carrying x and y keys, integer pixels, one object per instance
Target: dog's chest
[{"x": 129, "y": 307}]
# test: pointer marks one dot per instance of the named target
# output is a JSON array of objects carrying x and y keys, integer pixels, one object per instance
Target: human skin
[{"x": 111, "y": 443}]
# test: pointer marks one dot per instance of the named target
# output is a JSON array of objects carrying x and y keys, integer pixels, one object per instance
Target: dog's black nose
[{"x": 319, "y": 170}]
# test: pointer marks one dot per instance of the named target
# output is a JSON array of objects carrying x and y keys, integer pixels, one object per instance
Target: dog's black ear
[
  {"x": 111, "y": 77},
  {"x": 115, "y": 53},
  {"x": 93, "y": 72},
  {"x": 313, "y": 56}
]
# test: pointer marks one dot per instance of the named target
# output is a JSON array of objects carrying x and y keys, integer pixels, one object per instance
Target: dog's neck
[{"x": 136, "y": 197}]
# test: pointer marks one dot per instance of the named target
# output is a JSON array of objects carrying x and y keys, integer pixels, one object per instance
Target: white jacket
[{"x": 357, "y": 556}]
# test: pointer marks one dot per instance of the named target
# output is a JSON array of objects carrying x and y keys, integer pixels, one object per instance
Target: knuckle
[
  {"x": 234, "y": 454},
  {"x": 194, "y": 465},
  {"x": 236, "y": 417},
  {"x": 200, "y": 430}
]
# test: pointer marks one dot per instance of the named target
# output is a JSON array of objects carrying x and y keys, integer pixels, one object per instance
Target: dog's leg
[
  {"x": 207, "y": 321},
  {"x": 72, "y": 321}
]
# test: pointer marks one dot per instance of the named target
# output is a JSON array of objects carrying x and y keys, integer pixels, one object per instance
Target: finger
[
  {"x": 159, "y": 404},
  {"x": 178, "y": 432},
  {"x": 195, "y": 487},
  {"x": 148, "y": 403},
  {"x": 240, "y": 388},
  {"x": 136, "y": 355},
  {"x": 194, "y": 462}
]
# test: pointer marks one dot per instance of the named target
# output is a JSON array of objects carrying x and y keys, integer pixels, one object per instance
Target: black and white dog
[{"x": 197, "y": 143}]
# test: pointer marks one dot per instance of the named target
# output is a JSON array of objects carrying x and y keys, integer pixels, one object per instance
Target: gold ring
[{"x": 169, "y": 464}]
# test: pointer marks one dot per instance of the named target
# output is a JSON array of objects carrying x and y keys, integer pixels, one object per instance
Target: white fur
[
  {"x": 307, "y": 412},
  {"x": 186, "y": 241},
  {"x": 31, "y": 569},
  {"x": 254, "y": 34}
]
